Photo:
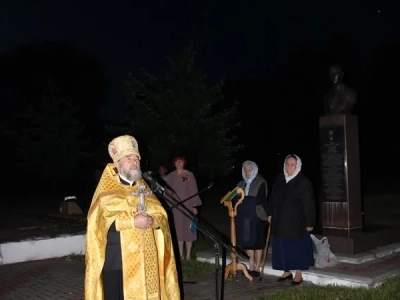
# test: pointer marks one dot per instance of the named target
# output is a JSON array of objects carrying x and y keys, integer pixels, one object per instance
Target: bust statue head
[
  {"x": 336, "y": 74},
  {"x": 340, "y": 99}
]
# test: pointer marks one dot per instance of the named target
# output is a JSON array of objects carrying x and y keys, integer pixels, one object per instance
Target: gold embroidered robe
[{"x": 148, "y": 261}]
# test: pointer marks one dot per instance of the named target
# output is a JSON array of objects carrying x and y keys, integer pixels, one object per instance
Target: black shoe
[
  {"x": 296, "y": 282},
  {"x": 289, "y": 277},
  {"x": 254, "y": 274}
]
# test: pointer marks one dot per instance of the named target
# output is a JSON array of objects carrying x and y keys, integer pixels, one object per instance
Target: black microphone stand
[
  {"x": 188, "y": 198},
  {"x": 218, "y": 241}
]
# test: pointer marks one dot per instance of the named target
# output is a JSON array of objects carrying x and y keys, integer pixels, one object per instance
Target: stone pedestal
[
  {"x": 340, "y": 174},
  {"x": 341, "y": 202},
  {"x": 371, "y": 237}
]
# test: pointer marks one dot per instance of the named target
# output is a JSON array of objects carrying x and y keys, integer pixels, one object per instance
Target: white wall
[{"x": 37, "y": 249}]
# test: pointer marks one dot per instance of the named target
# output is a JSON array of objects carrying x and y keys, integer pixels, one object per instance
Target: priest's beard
[{"x": 132, "y": 175}]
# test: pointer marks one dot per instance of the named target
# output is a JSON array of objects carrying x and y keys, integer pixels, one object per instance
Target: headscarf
[
  {"x": 254, "y": 173},
  {"x": 296, "y": 171}
]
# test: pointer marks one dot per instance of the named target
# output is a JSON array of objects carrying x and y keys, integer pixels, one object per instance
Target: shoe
[
  {"x": 254, "y": 274},
  {"x": 289, "y": 277},
  {"x": 296, "y": 282}
]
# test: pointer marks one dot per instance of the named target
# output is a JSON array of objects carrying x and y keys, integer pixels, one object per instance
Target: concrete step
[{"x": 363, "y": 274}]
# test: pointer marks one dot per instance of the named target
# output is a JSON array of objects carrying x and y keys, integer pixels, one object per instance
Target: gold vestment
[{"x": 148, "y": 261}]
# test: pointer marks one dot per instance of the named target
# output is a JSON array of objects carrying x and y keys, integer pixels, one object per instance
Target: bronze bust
[{"x": 340, "y": 99}]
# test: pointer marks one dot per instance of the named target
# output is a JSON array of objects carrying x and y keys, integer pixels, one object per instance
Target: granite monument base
[{"x": 357, "y": 241}]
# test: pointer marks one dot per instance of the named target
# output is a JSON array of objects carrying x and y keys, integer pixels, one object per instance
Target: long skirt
[
  {"x": 251, "y": 235},
  {"x": 290, "y": 254}
]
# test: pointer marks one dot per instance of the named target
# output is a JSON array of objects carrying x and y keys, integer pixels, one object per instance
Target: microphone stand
[
  {"x": 218, "y": 241},
  {"x": 194, "y": 195}
]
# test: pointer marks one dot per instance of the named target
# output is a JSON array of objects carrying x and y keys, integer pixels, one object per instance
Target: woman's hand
[
  {"x": 195, "y": 211},
  {"x": 310, "y": 229},
  {"x": 269, "y": 218}
]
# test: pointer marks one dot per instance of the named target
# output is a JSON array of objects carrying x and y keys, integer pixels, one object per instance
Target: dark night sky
[{"x": 234, "y": 40}]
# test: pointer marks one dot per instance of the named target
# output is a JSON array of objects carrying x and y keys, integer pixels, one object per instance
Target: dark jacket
[
  {"x": 292, "y": 207},
  {"x": 259, "y": 190}
]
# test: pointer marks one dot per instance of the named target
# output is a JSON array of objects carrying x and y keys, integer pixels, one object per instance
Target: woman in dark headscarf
[{"x": 292, "y": 208}]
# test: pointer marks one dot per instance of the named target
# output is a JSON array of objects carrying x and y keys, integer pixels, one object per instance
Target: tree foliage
[
  {"x": 180, "y": 114},
  {"x": 51, "y": 144},
  {"x": 26, "y": 70}
]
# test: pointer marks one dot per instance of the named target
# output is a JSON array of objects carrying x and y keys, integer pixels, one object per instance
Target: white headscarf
[
  {"x": 248, "y": 181},
  {"x": 296, "y": 171}
]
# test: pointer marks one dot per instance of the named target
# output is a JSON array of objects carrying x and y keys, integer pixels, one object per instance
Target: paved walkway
[{"x": 63, "y": 279}]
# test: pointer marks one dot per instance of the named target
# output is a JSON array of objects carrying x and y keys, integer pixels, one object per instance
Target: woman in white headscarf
[
  {"x": 251, "y": 219},
  {"x": 292, "y": 208}
]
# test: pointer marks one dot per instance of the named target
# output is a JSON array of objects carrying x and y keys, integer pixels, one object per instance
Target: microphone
[{"x": 150, "y": 177}]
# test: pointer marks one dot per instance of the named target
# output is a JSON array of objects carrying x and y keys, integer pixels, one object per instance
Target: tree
[
  {"x": 26, "y": 70},
  {"x": 180, "y": 114},
  {"x": 51, "y": 144}
]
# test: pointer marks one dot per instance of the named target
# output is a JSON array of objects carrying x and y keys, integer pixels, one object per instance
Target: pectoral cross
[{"x": 142, "y": 193}]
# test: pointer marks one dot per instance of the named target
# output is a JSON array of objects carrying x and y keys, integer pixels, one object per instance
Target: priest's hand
[{"x": 143, "y": 221}]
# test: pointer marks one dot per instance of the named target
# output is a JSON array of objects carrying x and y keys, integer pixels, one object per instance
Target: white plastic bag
[{"x": 325, "y": 258}]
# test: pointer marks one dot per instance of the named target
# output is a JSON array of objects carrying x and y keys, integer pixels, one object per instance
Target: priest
[{"x": 129, "y": 252}]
